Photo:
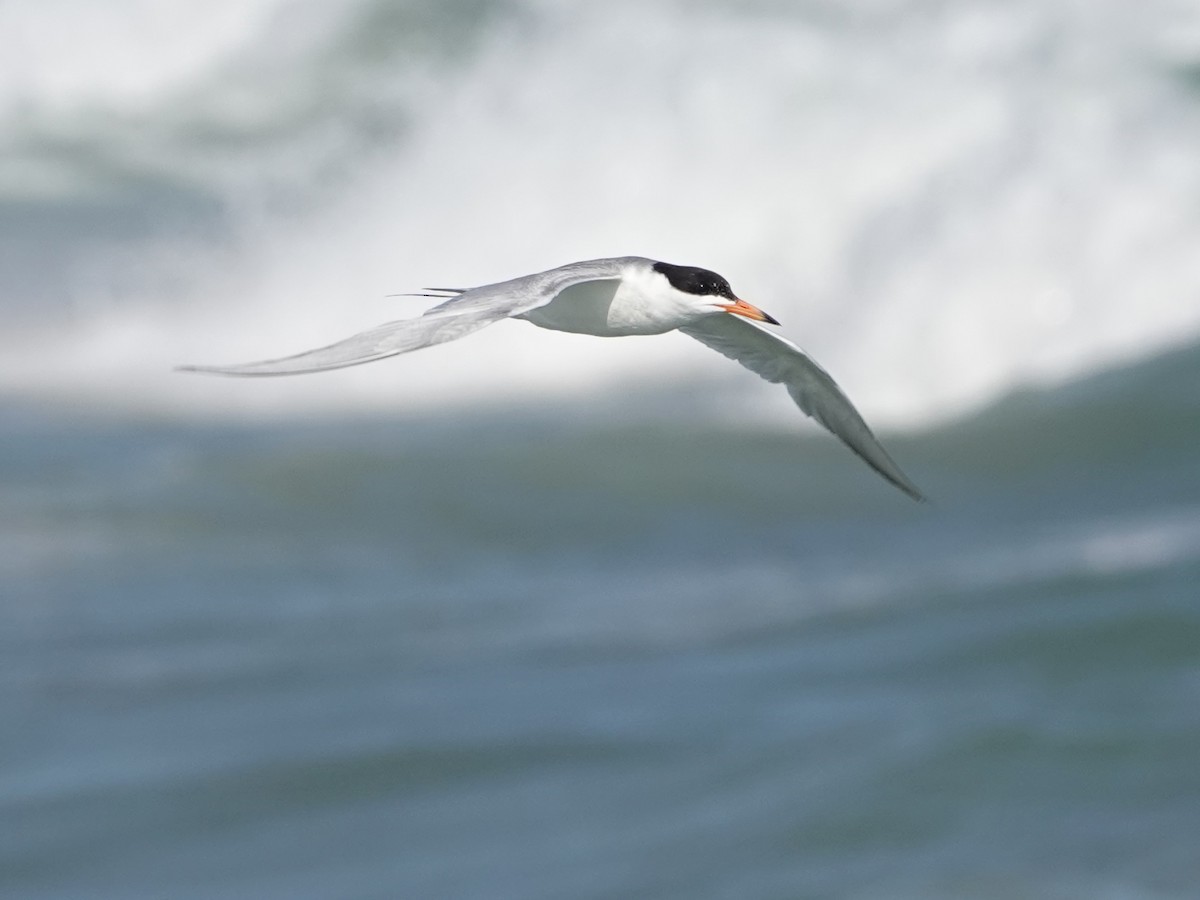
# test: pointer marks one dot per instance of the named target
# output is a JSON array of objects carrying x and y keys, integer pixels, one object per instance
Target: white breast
[{"x": 635, "y": 304}]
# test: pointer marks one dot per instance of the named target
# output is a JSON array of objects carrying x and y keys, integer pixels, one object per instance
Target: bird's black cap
[{"x": 692, "y": 280}]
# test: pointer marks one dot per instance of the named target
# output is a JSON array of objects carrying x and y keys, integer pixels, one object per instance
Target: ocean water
[{"x": 539, "y": 616}]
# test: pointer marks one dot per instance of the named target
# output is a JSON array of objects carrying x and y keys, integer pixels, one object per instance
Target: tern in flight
[{"x": 625, "y": 295}]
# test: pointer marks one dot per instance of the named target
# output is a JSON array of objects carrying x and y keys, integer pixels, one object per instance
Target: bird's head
[{"x": 710, "y": 290}]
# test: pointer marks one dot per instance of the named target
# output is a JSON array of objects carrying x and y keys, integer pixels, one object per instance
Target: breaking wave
[{"x": 941, "y": 202}]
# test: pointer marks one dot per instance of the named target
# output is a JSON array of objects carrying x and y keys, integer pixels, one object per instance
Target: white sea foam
[
  {"x": 940, "y": 202},
  {"x": 120, "y": 55}
]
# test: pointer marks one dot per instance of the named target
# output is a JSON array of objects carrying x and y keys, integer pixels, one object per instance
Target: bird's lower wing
[{"x": 781, "y": 362}]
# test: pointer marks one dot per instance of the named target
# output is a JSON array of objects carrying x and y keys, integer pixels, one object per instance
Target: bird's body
[
  {"x": 615, "y": 307},
  {"x": 615, "y": 297}
]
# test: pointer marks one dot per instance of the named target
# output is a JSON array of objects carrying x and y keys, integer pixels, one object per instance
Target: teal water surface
[{"x": 474, "y": 659}]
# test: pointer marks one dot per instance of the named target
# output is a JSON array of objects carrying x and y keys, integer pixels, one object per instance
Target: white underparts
[{"x": 638, "y": 303}]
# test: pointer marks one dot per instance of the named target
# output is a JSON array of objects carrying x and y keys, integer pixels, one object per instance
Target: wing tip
[
  {"x": 202, "y": 370},
  {"x": 892, "y": 474},
  {"x": 883, "y": 465},
  {"x": 246, "y": 371}
]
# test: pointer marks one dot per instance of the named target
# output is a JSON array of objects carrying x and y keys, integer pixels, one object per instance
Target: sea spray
[{"x": 939, "y": 203}]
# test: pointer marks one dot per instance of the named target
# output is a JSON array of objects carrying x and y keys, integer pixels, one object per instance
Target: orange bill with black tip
[{"x": 742, "y": 308}]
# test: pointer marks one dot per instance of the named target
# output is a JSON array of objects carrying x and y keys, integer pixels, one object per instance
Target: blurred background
[{"x": 538, "y": 615}]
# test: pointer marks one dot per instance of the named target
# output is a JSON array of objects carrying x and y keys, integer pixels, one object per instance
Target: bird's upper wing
[
  {"x": 457, "y": 317},
  {"x": 780, "y": 361}
]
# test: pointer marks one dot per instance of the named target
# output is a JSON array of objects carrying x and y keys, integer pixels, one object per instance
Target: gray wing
[
  {"x": 470, "y": 311},
  {"x": 780, "y": 361}
]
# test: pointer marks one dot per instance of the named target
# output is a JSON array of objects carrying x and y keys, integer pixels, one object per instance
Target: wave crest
[{"x": 939, "y": 203}]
